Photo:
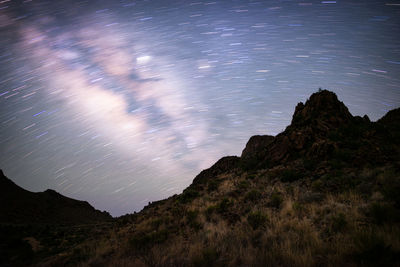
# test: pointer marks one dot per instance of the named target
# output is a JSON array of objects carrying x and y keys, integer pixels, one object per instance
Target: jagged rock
[
  {"x": 322, "y": 148},
  {"x": 223, "y": 165},
  {"x": 256, "y": 144},
  {"x": 323, "y": 110},
  {"x": 321, "y": 128},
  {"x": 391, "y": 122}
]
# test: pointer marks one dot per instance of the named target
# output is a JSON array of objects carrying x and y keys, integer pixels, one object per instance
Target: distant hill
[
  {"x": 324, "y": 192},
  {"x": 19, "y": 206}
]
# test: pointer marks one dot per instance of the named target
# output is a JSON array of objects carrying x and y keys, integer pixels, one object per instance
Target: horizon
[{"x": 118, "y": 104}]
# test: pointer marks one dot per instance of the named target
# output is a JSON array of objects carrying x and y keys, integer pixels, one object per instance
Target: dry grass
[{"x": 334, "y": 230}]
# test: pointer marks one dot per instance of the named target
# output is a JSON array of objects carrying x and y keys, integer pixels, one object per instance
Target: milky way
[{"x": 123, "y": 102}]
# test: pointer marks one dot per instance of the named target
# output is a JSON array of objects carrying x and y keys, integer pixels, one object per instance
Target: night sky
[{"x": 123, "y": 102}]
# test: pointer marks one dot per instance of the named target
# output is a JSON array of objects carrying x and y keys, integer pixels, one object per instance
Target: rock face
[
  {"x": 256, "y": 145},
  {"x": 322, "y": 111},
  {"x": 323, "y": 127},
  {"x": 391, "y": 122},
  {"x": 221, "y": 166},
  {"x": 20, "y": 206}
]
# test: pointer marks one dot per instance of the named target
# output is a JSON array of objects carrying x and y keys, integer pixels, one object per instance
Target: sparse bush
[
  {"x": 223, "y": 206},
  {"x": 177, "y": 210},
  {"x": 317, "y": 185},
  {"x": 213, "y": 185},
  {"x": 309, "y": 164},
  {"x": 144, "y": 240},
  {"x": 251, "y": 176},
  {"x": 249, "y": 164},
  {"x": 156, "y": 223},
  {"x": 242, "y": 186},
  {"x": 207, "y": 258},
  {"x": 334, "y": 136},
  {"x": 209, "y": 211},
  {"x": 371, "y": 250},
  {"x": 253, "y": 195},
  {"x": 276, "y": 200},
  {"x": 188, "y": 195},
  {"x": 338, "y": 222},
  {"x": 391, "y": 187},
  {"x": 336, "y": 181},
  {"x": 298, "y": 207},
  {"x": 382, "y": 213},
  {"x": 290, "y": 175},
  {"x": 343, "y": 155},
  {"x": 78, "y": 254},
  {"x": 191, "y": 217},
  {"x": 257, "y": 219}
]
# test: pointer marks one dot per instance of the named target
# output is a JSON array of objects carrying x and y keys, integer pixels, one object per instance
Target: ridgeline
[{"x": 324, "y": 192}]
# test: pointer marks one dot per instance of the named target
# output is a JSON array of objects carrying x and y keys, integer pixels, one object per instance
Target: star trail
[{"x": 123, "y": 102}]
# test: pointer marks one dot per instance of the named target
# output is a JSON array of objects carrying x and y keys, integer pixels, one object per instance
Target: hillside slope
[
  {"x": 20, "y": 206},
  {"x": 324, "y": 192}
]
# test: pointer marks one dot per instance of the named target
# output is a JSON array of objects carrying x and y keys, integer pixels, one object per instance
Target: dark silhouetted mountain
[
  {"x": 322, "y": 127},
  {"x": 20, "y": 206}
]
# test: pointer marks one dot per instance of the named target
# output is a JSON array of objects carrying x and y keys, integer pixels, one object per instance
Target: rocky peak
[
  {"x": 256, "y": 144},
  {"x": 223, "y": 165},
  {"x": 322, "y": 110},
  {"x": 391, "y": 122}
]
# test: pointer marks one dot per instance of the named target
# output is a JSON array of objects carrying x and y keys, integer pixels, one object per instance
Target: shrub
[
  {"x": 188, "y": 195},
  {"x": 317, "y": 185},
  {"x": 144, "y": 240},
  {"x": 213, "y": 185},
  {"x": 276, "y": 200},
  {"x": 207, "y": 258},
  {"x": 209, "y": 211},
  {"x": 178, "y": 210},
  {"x": 336, "y": 181},
  {"x": 249, "y": 164},
  {"x": 309, "y": 164},
  {"x": 257, "y": 219},
  {"x": 372, "y": 250},
  {"x": 338, "y": 222},
  {"x": 251, "y": 176},
  {"x": 382, "y": 213},
  {"x": 298, "y": 206},
  {"x": 242, "y": 186},
  {"x": 253, "y": 196},
  {"x": 223, "y": 206},
  {"x": 156, "y": 223},
  {"x": 290, "y": 175},
  {"x": 336, "y": 164},
  {"x": 191, "y": 217},
  {"x": 335, "y": 136},
  {"x": 391, "y": 187},
  {"x": 78, "y": 254},
  {"x": 343, "y": 155}
]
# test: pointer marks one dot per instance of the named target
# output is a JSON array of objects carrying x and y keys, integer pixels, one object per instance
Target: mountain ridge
[
  {"x": 22, "y": 206},
  {"x": 312, "y": 133},
  {"x": 324, "y": 192}
]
